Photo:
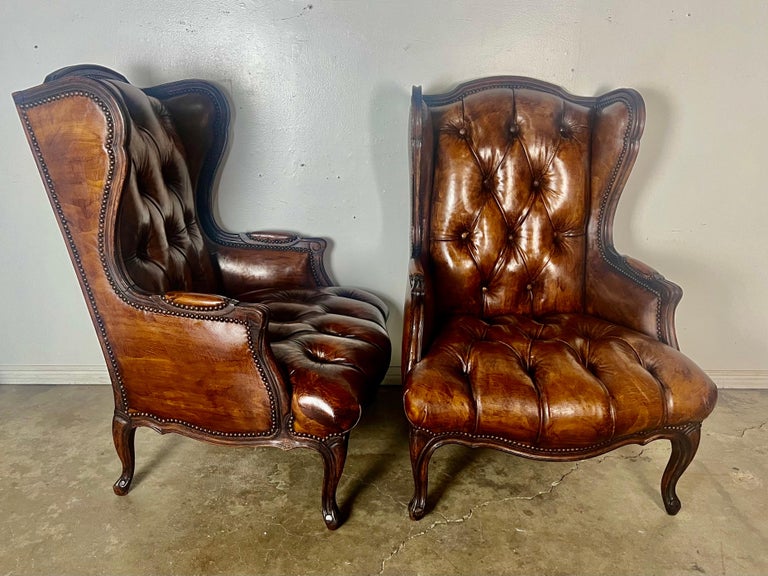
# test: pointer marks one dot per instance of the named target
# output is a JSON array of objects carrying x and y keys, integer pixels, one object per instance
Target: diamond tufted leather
[
  {"x": 524, "y": 329},
  {"x": 160, "y": 240},
  {"x": 521, "y": 252},
  {"x": 325, "y": 340},
  {"x": 552, "y": 382},
  {"x": 229, "y": 338}
]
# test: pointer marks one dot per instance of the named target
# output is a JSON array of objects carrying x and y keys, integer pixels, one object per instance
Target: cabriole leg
[
  {"x": 684, "y": 446},
  {"x": 334, "y": 452},
  {"x": 123, "y": 434},
  {"x": 420, "y": 465}
]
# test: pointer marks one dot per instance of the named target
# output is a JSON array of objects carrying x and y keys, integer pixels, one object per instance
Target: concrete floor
[{"x": 201, "y": 509}]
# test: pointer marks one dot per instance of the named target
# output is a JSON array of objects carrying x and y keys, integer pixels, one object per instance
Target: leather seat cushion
[
  {"x": 332, "y": 346},
  {"x": 558, "y": 381}
]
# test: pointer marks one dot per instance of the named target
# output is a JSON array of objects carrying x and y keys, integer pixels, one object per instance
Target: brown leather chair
[
  {"x": 524, "y": 329},
  {"x": 237, "y": 339}
]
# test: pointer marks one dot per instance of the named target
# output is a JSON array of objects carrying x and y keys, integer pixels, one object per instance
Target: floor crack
[
  {"x": 376, "y": 487},
  {"x": 447, "y": 521},
  {"x": 760, "y": 427},
  {"x": 742, "y": 432}
]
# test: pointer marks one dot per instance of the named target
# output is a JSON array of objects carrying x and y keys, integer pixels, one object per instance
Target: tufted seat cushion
[
  {"x": 555, "y": 381},
  {"x": 332, "y": 346}
]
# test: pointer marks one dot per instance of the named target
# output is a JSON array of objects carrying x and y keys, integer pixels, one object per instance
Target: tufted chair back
[
  {"x": 159, "y": 239},
  {"x": 515, "y": 201},
  {"x": 510, "y": 202},
  {"x": 524, "y": 329}
]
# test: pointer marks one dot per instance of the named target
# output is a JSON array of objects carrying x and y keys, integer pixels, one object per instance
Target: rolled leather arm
[{"x": 255, "y": 260}]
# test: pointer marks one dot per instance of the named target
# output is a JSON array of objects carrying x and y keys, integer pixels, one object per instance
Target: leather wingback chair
[
  {"x": 524, "y": 329},
  {"x": 237, "y": 339}
]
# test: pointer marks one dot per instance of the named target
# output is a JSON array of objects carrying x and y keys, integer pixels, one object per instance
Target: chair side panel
[{"x": 196, "y": 372}]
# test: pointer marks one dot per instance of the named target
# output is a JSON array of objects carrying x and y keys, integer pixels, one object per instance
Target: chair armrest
[
  {"x": 211, "y": 349},
  {"x": 417, "y": 319},
  {"x": 254, "y": 260},
  {"x": 626, "y": 291}
]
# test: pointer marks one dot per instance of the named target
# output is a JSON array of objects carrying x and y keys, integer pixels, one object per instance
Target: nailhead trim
[
  {"x": 684, "y": 428},
  {"x": 211, "y": 308},
  {"x": 627, "y": 272},
  {"x": 291, "y": 422},
  {"x": 109, "y": 145},
  {"x": 436, "y": 101},
  {"x": 166, "y": 421},
  {"x": 272, "y": 241}
]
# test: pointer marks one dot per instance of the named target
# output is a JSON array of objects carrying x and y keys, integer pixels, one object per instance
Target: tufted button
[
  {"x": 484, "y": 289},
  {"x": 462, "y": 131},
  {"x": 464, "y": 235},
  {"x": 513, "y": 129},
  {"x": 536, "y": 183},
  {"x": 529, "y": 287}
]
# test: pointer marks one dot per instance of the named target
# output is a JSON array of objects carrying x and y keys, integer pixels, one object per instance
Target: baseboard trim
[
  {"x": 740, "y": 379},
  {"x": 98, "y": 375},
  {"x": 392, "y": 377},
  {"x": 54, "y": 375}
]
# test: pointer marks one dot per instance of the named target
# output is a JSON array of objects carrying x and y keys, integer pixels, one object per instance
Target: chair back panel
[
  {"x": 510, "y": 202},
  {"x": 159, "y": 239}
]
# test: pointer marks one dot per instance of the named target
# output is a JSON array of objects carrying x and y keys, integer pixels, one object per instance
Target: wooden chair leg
[
  {"x": 123, "y": 435},
  {"x": 420, "y": 465},
  {"x": 334, "y": 452},
  {"x": 684, "y": 446}
]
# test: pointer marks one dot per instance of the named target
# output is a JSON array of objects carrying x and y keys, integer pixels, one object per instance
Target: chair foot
[
  {"x": 123, "y": 435},
  {"x": 417, "y": 508},
  {"x": 334, "y": 454},
  {"x": 420, "y": 465},
  {"x": 684, "y": 446}
]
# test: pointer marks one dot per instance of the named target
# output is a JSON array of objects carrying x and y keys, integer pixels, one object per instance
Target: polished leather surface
[
  {"x": 160, "y": 240},
  {"x": 553, "y": 381},
  {"x": 233, "y": 338},
  {"x": 524, "y": 329},
  {"x": 509, "y": 203},
  {"x": 330, "y": 343},
  {"x": 513, "y": 231}
]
